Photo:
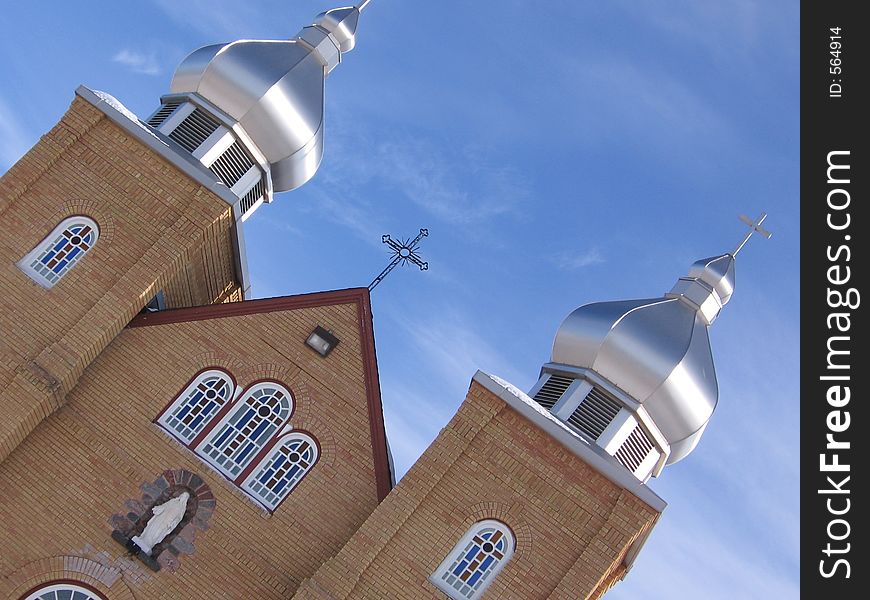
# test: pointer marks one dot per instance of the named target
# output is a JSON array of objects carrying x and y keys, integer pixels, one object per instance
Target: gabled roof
[{"x": 358, "y": 296}]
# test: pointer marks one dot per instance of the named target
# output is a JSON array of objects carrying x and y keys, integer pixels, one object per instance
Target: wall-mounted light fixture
[{"x": 321, "y": 341}]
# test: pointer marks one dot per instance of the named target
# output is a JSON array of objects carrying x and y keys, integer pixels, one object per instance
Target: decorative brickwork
[
  {"x": 157, "y": 226},
  {"x": 200, "y": 507},
  {"x": 573, "y": 527},
  {"x": 84, "y": 463},
  {"x": 79, "y": 570}
]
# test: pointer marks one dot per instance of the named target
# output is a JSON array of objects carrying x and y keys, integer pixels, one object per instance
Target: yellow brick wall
[
  {"x": 153, "y": 221},
  {"x": 208, "y": 277},
  {"x": 572, "y": 525},
  {"x": 62, "y": 485}
]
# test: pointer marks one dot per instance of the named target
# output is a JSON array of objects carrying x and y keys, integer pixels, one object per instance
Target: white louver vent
[
  {"x": 232, "y": 164},
  {"x": 194, "y": 130},
  {"x": 634, "y": 449},
  {"x": 163, "y": 113},
  {"x": 552, "y": 390},
  {"x": 594, "y": 414},
  {"x": 254, "y": 195}
]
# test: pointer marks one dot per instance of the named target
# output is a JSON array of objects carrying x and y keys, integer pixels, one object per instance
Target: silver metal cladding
[
  {"x": 657, "y": 350},
  {"x": 274, "y": 90}
]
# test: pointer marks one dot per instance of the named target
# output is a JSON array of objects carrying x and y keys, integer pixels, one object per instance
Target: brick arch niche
[{"x": 137, "y": 512}]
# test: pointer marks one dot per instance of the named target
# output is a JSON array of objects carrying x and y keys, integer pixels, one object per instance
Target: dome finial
[{"x": 754, "y": 227}]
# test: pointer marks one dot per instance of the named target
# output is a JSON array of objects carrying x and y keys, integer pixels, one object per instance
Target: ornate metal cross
[
  {"x": 403, "y": 252},
  {"x": 754, "y": 227}
]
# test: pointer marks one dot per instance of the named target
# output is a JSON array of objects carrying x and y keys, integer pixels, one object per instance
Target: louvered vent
[
  {"x": 634, "y": 449},
  {"x": 194, "y": 130},
  {"x": 254, "y": 194},
  {"x": 232, "y": 164},
  {"x": 594, "y": 414},
  {"x": 552, "y": 390},
  {"x": 163, "y": 112}
]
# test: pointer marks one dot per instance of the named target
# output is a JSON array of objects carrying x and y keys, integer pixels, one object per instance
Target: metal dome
[
  {"x": 274, "y": 90},
  {"x": 657, "y": 350}
]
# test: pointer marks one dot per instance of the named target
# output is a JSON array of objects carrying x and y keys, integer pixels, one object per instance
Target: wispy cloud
[
  {"x": 442, "y": 354},
  {"x": 458, "y": 185},
  {"x": 14, "y": 140},
  {"x": 692, "y": 560},
  {"x": 213, "y": 17},
  {"x": 568, "y": 261},
  {"x": 138, "y": 62}
]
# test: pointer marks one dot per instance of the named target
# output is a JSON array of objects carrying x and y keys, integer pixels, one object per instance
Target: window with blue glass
[
  {"x": 197, "y": 405},
  {"x": 64, "y": 247},
  {"x": 253, "y": 420},
  {"x": 475, "y": 560},
  {"x": 282, "y": 469},
  {"x": 245, "y": 435}
]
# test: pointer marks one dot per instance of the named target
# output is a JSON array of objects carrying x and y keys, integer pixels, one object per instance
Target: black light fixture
[{"x": 321, "y": 341}]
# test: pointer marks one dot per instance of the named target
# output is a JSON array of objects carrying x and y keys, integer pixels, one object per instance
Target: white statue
[{"x": 166, "y": 517}]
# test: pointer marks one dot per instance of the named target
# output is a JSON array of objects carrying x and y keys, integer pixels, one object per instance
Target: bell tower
[
  {"x": 544, "y": 495},
  {"x": 109, "y": 213}
]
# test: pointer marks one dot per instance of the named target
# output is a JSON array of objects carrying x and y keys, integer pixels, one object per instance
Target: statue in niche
[{"x": 166, "y": 517}]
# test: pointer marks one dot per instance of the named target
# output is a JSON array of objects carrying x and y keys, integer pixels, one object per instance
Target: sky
[{"x": 559, "y": 153}]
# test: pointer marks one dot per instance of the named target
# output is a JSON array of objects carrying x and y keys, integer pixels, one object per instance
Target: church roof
[{"x": 358, "y": 296}]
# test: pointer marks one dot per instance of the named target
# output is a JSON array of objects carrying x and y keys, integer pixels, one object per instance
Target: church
[{"x": 164, "y": 436}]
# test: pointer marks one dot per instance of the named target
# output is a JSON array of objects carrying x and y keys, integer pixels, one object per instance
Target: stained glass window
[
  {"x": 475, "y": 560},
  {"x": 63, "y": 591},
  {"x": 197, "y": 404},
  {"x": 280, "y": 471},
  {"x": 237, "y": 439},
  {"x": 65, "y": 246}
]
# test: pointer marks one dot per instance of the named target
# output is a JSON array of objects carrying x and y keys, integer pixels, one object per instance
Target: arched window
[
  {"x": 281, "y": 469},
  {"x": 200, "y": 401},
  {"x": 475, "y": 561},
  {"x": 63, "y": 591},
  {"x": 59, "y": 252},
  {"x": 234, "y": 442}
]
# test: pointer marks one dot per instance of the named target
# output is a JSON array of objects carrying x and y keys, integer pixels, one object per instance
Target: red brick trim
[
  {"x": 358, "y": 296},
  {"x": 94, "y": 591},
  {"x": 248, "y": 307}
]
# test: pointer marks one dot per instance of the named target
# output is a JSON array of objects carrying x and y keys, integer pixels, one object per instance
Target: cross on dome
[{"x": 754, "y": 227}]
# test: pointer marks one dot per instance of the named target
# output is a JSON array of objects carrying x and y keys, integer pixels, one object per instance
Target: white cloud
[
  {"x": 568, "y": 261},
  {"x": 690, "y": 559},
  {"x": 14, "y": 140},
  {"x": 138, "y": 62},
  {"x": 213, "y": 17},
  {"x": 458, "y": 185},
  {"x": 441, "y": 356}
]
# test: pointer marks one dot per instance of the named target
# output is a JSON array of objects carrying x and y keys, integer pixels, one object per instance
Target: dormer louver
[{"x": 216, "y": 146}]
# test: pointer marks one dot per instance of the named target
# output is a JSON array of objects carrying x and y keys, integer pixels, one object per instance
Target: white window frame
[
  {"x": 440, "y": 578},
  {"x": 202, "y": 449},
  {"x": 64, "y": 587},
  {"x": 251, "y": 482},
  {"x": 168, "y": 414},
  {"x": 49, "y": 280}
]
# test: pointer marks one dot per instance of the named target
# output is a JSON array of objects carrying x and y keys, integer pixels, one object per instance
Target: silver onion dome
[
  {"x": 657, "y": 350},
  {"x": 274, "y": 90}
]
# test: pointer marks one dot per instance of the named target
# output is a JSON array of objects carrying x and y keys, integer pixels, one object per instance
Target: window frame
[
  {"x": 437, "y": 578},
  {"x": 25, "y": 264},
  {"x": 62, "y": 585},
  {"x": 224, "y": 417},
  {"x": 166, "y": 413},
  {"x": 263, "y": 462}
]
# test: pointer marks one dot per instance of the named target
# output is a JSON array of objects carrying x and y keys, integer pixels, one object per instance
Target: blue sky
[{"x": 559, "y": 153}]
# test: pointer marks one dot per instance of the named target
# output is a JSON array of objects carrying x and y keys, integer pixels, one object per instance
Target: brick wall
[
  {"x": 572, "y": 525},
  {"x": 87, "y": 461},
  {"x": 153, "y": 221}
]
